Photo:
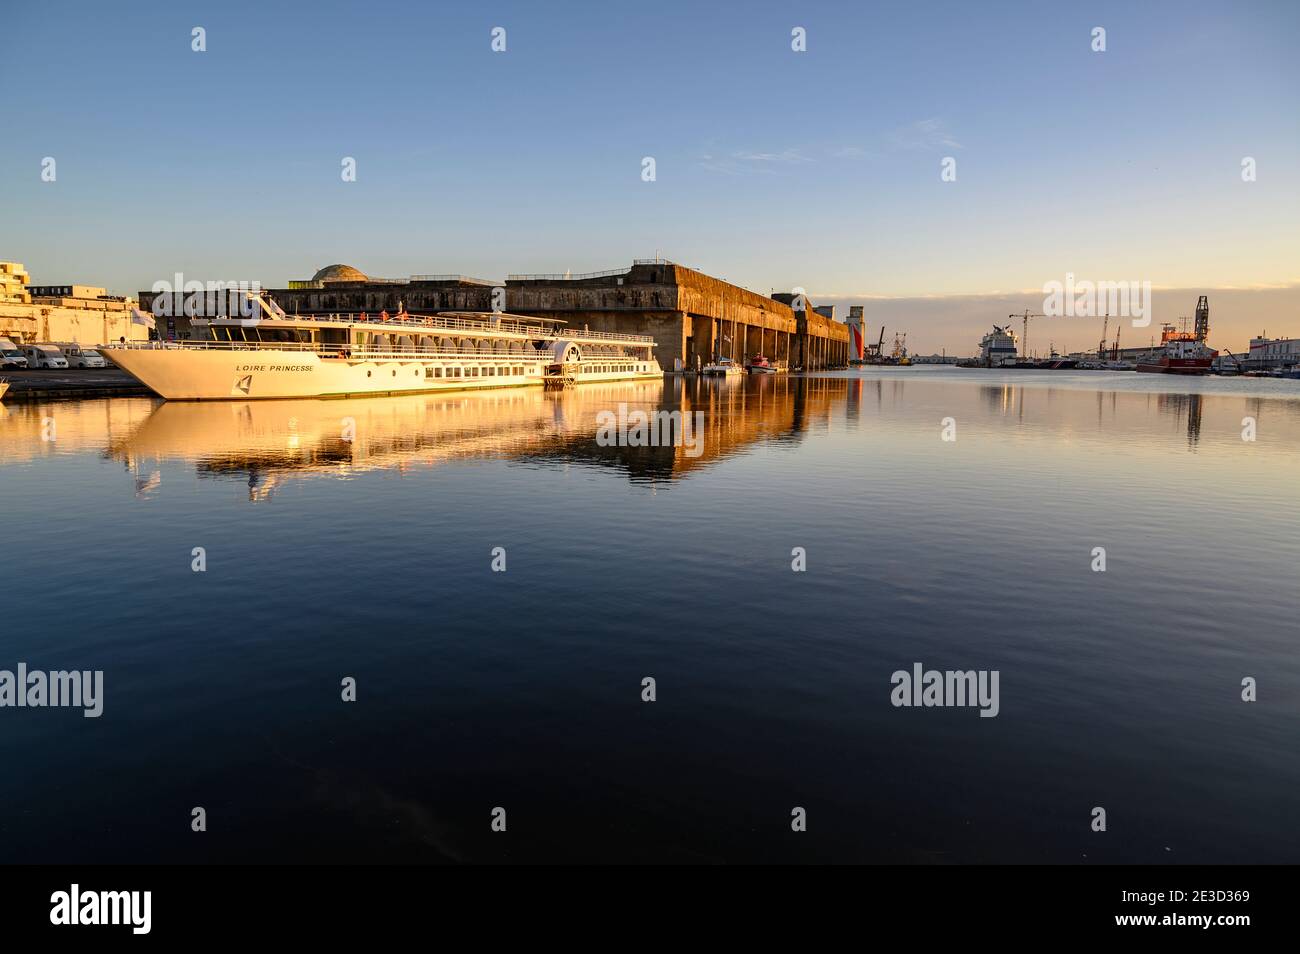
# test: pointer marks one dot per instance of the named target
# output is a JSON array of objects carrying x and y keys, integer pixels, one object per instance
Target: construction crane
[
  {"x": 1235, "y": 360},
  {"x": 873, "y": 350},
  {"x": 1024, "y": 328},
  {"x": 1105, "y": 326}
]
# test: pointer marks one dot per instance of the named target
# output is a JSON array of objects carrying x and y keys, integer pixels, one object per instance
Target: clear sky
[{"x": 773, "y": 168}]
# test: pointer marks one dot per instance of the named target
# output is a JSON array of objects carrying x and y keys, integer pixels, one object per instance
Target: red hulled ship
[{"x": 1183, "y": 352}]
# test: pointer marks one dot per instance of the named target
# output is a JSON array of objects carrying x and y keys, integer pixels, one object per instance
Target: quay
[{"x": 71, "y": 384}]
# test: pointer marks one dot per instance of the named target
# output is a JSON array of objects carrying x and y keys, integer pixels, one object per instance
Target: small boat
[
  {"x": 723, "y": 367},
  {"x": 760, "y": 365}
]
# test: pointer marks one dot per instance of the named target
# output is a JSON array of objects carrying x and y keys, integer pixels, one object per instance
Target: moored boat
[
  {"x": 760, "y": 365},
  {"x": 1183, "y": 352},
  {"x": 723, "y": 367},
  {"x": 272, "y": 355}
]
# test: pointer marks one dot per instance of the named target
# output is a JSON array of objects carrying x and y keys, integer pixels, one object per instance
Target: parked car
[
  {"x": 79, "y": 357},
  {"x": 10, "y": 355},
  {"x": 45, "y": 356}
]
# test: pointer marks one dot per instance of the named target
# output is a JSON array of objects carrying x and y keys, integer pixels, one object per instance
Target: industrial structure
[
  {"x": 692, "y": 317},
  {"x": 857, "y": 333}
]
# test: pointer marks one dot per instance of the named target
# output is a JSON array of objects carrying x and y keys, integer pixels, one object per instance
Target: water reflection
[
  {"x": 1184, "y": 407},
  {"x": 267, "y": 442},
  {"x": 264, "y": 443}
]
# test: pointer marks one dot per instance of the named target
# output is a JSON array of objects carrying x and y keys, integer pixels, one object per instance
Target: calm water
[{"x": 371, "y": 559}]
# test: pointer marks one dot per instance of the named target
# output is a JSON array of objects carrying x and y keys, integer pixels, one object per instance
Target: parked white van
[
  {"x": 10, "y": 356},
  {"x": 44, "y": 356},
  {"x": 79, "y": 357}
]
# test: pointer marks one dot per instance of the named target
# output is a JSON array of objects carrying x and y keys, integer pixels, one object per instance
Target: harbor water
[{"x": 499, "y": 579}]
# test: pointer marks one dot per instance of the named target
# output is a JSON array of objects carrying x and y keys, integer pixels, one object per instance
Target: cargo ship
[{"x": 1183, "y": 352}]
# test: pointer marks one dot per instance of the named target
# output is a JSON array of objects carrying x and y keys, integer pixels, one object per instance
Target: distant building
[
  {"x": 67, "y": 291},
  {"x": 857, "y": 325},
  {"x": 13, "y": 284},
  {"x": 1273, "y": 352},
  {"x": 80, "y": 314}
]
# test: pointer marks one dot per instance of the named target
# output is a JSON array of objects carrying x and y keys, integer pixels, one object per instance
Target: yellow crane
[{"x": 1024, "y": 329}]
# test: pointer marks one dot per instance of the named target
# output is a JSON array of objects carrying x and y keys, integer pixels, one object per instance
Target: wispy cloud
[
  {"x": 745, "y": 162},
  {"x": 847, "y": 152},
  {"x": 923, "y": 134}
]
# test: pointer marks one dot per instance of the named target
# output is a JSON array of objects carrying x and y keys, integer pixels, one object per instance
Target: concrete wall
[
  {"x": 69, "y": 320},
  {"x": 692, "y": 316}
]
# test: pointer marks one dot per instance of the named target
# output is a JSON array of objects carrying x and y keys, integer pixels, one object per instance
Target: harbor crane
[
  {"x": 873, "y": 354},
  {"x": 1236, "y": 361},
  {"x": 1024, "y": 328},
  {"x": 1105, "y": 348}
]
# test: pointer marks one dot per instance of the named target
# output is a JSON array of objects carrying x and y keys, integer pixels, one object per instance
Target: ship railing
[
  {"x": 607, "y": 336},
  {"x": 346, "y": 351},
  {"x": 515, "y": 324},
  {"x": 331, "y": 350}
]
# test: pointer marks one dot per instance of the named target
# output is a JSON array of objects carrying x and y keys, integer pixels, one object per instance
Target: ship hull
[
  {"x": 1176, "y": 366},
  {"x": 184, "y": 374}
]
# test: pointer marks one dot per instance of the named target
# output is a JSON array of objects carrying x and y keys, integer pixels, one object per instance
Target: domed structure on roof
[{"x": 339, "y": 273}]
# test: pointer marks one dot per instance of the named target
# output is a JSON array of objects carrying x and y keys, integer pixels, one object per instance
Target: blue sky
[{"x": 774, "y": 168}]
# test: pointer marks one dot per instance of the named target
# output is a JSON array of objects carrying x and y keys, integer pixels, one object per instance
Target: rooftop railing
[
  {"x": 571, "y": 277},
  {"x": 470, "y": 279},
  {"x": 566, "y": 276},
  {"x": 357, "y": 354}
]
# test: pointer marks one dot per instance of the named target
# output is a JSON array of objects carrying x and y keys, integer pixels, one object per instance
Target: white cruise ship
[
  {"x": 998, "y": 347},
  {"x": 273, "y": 355}
]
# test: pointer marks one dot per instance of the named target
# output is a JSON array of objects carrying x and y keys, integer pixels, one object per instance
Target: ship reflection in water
[
  {"x": 946, "y": 518},
  {"x": 268, "y": 442}
]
